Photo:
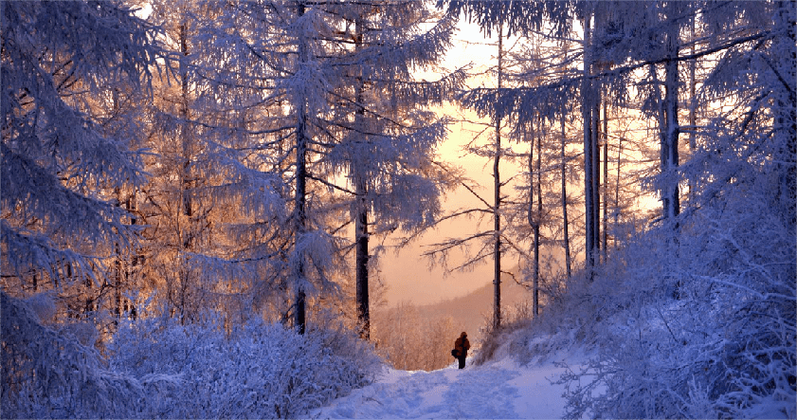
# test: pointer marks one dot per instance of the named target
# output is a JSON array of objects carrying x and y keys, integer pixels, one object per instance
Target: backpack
[{"x": 455, "y": 353}]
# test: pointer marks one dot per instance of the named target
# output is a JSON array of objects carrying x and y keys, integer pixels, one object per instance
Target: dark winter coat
[{"x": 462, "y": 345}]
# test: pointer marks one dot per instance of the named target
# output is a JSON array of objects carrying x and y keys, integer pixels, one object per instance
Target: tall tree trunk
[
  {"x": 534, "y": 223},
  {"x": 536, "y": 307},
  {"x": 184, "y": 128},
  {"x": 300, "y": 217},
  {"x": 587, "y": 108},
  {"x": 671, "y": 130},
  {"x": 785, "y": 66},
  {"x": 596, "y": 170},
  {"x": 361, "y": 216},
  {"x": 617, "y": 188},
  {"x": 605, "y": 184},
  {"x": 184, "y": 231},
  {"x": 131, "y": 270},
  {"x": 116, "y": 303},
  {"x": 118, "y": 263},
  {"x": 497, "y": 195},
  {"x": 362, "y": 257},
  {"x": 565, "y": 220},
  {"x": 692, "y": 100}
]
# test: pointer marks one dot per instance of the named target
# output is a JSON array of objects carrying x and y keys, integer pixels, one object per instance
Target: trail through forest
[{"x": 500, "y": 389}]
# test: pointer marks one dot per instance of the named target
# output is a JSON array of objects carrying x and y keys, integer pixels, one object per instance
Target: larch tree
[
  {"x": 171, "y": 203},
  {"x": 275, "y": 79},
  {"x": 497, "y": 198},
  {"x": 206, "y": 193},
  {"x": 58, "y": 220},
  {"x": 334, "y": 112},
  {"x": 491, "y": 242},
  {"x": 61, "y": 159},
  {"x": 387, "y": 134}
]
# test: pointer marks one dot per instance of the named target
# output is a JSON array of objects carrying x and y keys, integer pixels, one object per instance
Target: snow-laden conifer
[{"x": 62, "y": 158}]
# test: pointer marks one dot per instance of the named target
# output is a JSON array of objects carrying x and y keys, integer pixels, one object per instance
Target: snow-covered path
[{"x": 498, "y": 390}]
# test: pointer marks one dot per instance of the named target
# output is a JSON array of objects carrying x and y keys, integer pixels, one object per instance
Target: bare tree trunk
[
  {"x": 534, "y": 223},
  {"x": 596, "y": 171},
  {"x": 536, "y": 307},
  {"x": 184, "y": 128},
  {"x": 605, "y": 184},
  {"x": 587, "y": 108},
  {"x": 300, "y": 216},
  {"x": 118, "y": 263},
  {"x": 669, "y": 164},
  {"x": 131, "y": 270},
  {"x": 361, "y": 216},
  {"x": 116, "y": 303},
  {"x": 497, "y": 197},
  {"x": 184, "y": 231},
  {"x": 617, "y": 189},
  {"x": 361, "y": 261},
  {"x": 565, "y": 220},
  {"x": 692, "y": 101}
]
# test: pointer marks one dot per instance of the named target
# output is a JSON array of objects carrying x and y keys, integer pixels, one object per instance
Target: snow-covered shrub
[
  {"x": 699, "y": 327},
  {"x": 256, "y": 370},
  {"x": 504, "y": 341},
  {"x": 47, "y": 373},
  {"x": 705, "y": 336}
]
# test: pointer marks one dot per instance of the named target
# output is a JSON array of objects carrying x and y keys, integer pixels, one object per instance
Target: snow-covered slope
[{"x": 500, "y": 389}]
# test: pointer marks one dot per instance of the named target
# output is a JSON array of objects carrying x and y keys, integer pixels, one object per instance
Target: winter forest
[{"x": 197, "y": 196}]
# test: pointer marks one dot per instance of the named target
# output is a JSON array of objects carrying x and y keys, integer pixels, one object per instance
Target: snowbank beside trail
[{"x": 500, "y": 389}]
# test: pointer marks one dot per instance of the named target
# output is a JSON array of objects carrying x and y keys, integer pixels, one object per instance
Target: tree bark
[
  {"x": 605, "y": 184},
  {"x": 671, "y": 129},
  {"x": 300, "y": 218},
  {"x": 565, "y": 220},
  {"x": 534, "y": 222},
  {"x": 617, "y": 189},
  {"x": 361, "y": 216},
  {"x": 497, "y": 196},
  {"x": 536, "y": 306},
  {"x": 587, "y": 108},
  {"x": 596, "y": 173},
  {"x": 785, "y": 64}
]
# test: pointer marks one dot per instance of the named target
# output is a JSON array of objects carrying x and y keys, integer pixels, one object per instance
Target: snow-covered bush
[
  {"x": 49, "y": 373},
  {"x": 699, "y": 327},
  {"x": 256, "y": 370},
  {"x": 714, "y": 338}
]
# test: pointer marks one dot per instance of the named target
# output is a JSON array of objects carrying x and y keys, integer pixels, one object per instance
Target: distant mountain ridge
[{"x": 470, "y": 312}]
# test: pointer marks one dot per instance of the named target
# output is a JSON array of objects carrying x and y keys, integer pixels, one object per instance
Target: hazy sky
[{"x": 408, "y": 274}]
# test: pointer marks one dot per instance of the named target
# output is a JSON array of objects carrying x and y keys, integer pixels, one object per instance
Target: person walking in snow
[{"x": 461, "y": 347}]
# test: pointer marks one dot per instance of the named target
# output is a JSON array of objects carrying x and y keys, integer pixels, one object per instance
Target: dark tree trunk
[
  {"x": 300, "y": 217},
  {"x": 361, "y": 217},
  {"x": 605, "y": 184},
  {"x": 497, "y": 197},
  {"x": 565, "y": 220},
  {"x": 587, "y": 109},
  {"x": 671, "y": 129}
]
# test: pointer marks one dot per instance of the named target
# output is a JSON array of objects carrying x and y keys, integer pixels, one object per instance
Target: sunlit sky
[{"x": 408, "y": 274}]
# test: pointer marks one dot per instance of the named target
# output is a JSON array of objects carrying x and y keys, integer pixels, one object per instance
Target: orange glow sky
[{"x": 408, "y": 274}]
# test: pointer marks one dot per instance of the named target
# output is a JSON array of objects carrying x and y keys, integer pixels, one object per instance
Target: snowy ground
[{"x": 496, "y": 390}]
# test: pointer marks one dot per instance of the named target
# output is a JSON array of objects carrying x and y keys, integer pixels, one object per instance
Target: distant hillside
[
  {"x": 420, "y": 337},
  {"x": 470, "y": 311}
]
